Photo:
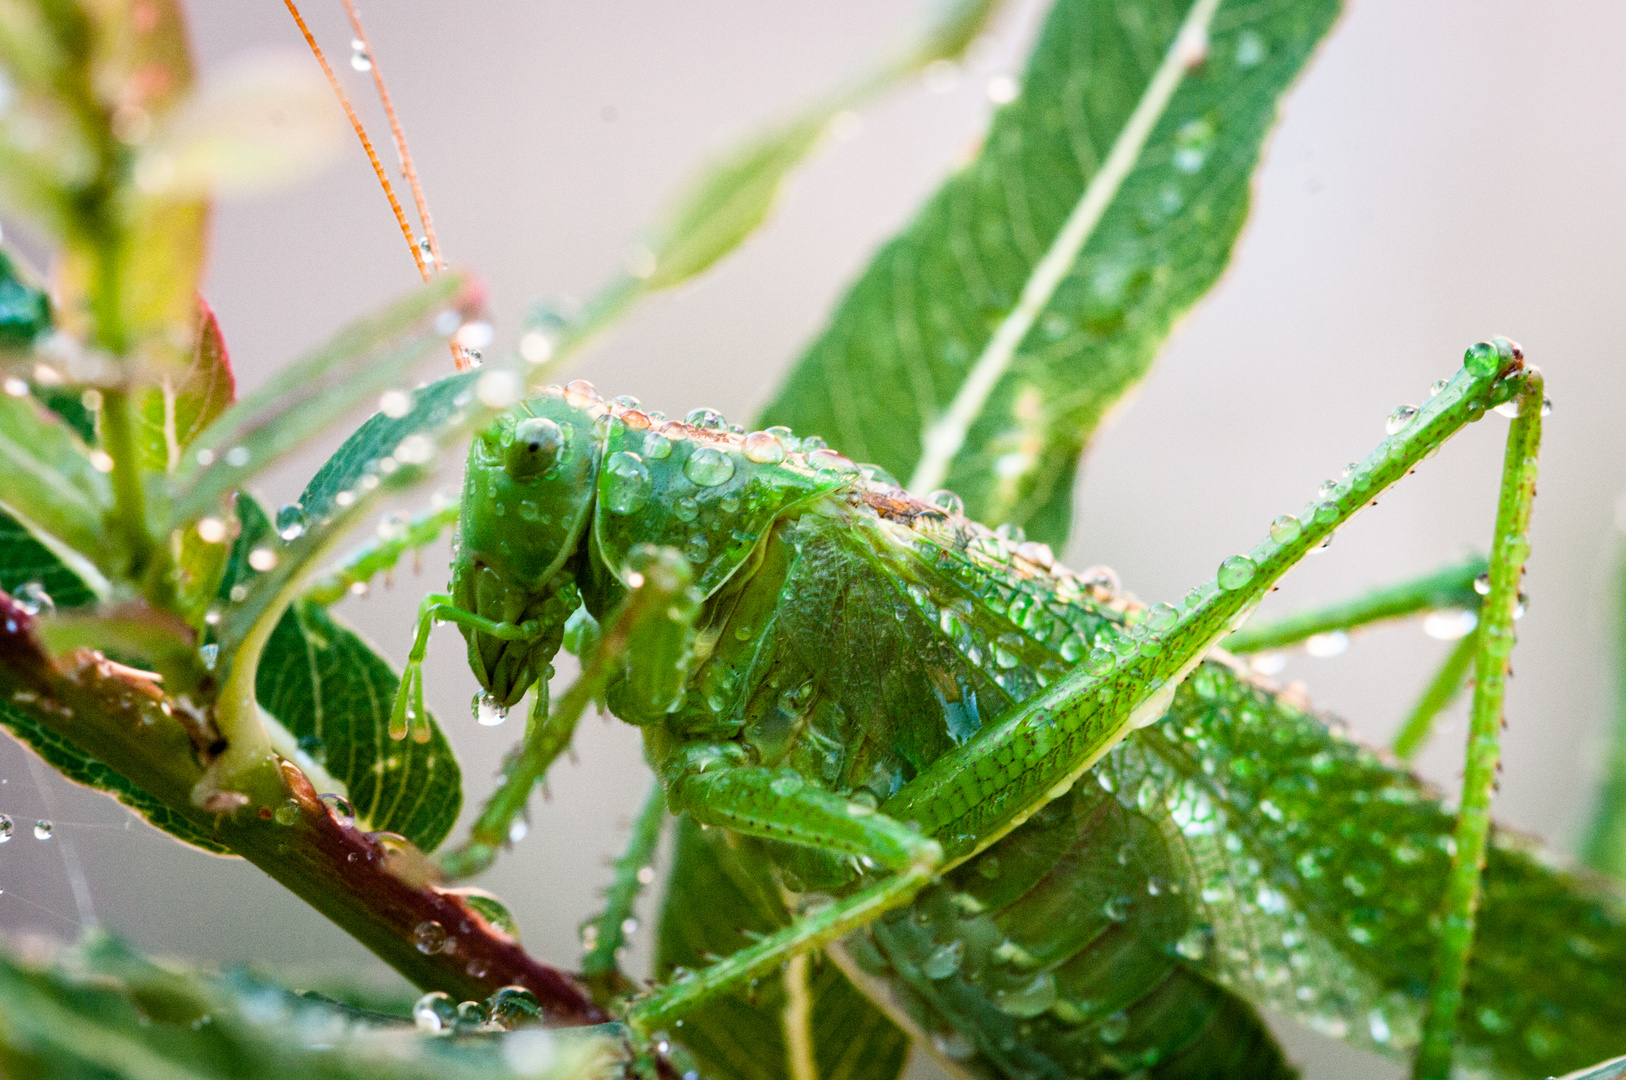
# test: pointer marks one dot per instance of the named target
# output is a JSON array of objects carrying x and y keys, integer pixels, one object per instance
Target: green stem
[
  {"x": 1439, "y": 695},
  {"x": 600, "y": 966},
  {"x": 1493, "y": 646},
  {"x": 1605, "y": 846},
  {"x": 129, "y": 501},
  {"x": 1449, "y": 587}
]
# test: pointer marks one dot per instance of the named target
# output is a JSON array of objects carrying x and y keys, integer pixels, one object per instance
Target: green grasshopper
[{"x": 875, "y": 693}]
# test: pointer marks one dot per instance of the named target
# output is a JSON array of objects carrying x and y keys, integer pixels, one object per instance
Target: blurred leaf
[
  {"x": 25, "y": 561},
  {"x": 186, "y": 401},
  {"x": 257, "y": 126},
  {"x": 731, "y": 196},
  {"x": 333, "y": 693},
  {"x": 311, "y": 394},
  {"x": 1605, "y": 846},
  {"x": 25, "y": 311},
  {"x": 984, "y": 344},
  {"x": 99, "y": 1011},
  {"x": 1606, "y": 1070},
  {"x": 46, "y": 477},
  {"x": 714, "y": 897}
]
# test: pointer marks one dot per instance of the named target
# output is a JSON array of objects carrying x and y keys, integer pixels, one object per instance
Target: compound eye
[{"x": 534, "y": 449}]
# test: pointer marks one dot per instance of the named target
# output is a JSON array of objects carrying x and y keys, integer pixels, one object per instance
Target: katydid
[{"x": 873, "y": 688}]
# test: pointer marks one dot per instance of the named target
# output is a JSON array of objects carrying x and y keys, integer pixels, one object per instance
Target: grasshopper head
[{"x": 527, "y": 496}]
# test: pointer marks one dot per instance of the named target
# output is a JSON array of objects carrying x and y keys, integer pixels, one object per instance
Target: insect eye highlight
[{"x": 534, "y": 449}]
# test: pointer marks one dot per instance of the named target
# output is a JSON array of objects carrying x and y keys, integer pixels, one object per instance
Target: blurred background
[{"x": 1441, "y": 173}]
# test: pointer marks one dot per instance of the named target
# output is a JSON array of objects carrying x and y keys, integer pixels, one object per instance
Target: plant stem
[
  {"x": 1438, "y": 696},
  {"x": 1450, "y": 587},
  {"x": 379, "y": 894},
  {"x": 129, "y": 502},
  {"x": 1493, "y": 646}
]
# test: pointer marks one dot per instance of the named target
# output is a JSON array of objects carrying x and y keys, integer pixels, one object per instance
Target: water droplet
[
  {"x": 709, "y": 467},
  {"x": 627, "y": 485},
  {"x": 42, "y": 829},
  {"x": 785, "y": 785},
  {"x": 429, "y": 937},
  {"x": 1285, "y": 529},
  {"x": 1195, "y": 943},
  {"x": 1114, "y": 1027},
  {"x": 1546, "y": 406},
  {"x": 709, "y": 419},
  {"x": 764, "y": 449},
  {"x": 1099, "y": 662},
  {"x": 697, "y": 549},
  {"x": 685, "y": 509},
  {"x": 291, "y": 522},
  {"x": 1482, "y": 359},
  {"x": 1332, "y": 643},
  {"x": 339, "y": 809},
  {"x": 828, "y": 461},
  {"x": 1028, "y": 999},
  {"x": 581, "y": 394},
  {"x": 5, "y": 828},
  {"x": 1482, "y": 585},
  {"x": 33, "y": 599},
  {"x": 657, "y": 446},
  {"x": 237, "y": 457},
  {"x": 488, "y": 711},
  {"x": 1509, "y": 409},
  {"x": 1161, "y": 618},
  {"x": 1450, "y": 625},
  {"x": 1516, "y": 549},
  {"x": 211, "y": 530},
  {"x": 1236, "y": 572},
  {"x": 1436, "y": 387},
  {"x": 395, "y": 403},
  {"x": 287, "y": 813},
  {"x": 358, "y": 55},
  {"x": 1117, "y": 908},
  {"x": 944, "y": 961},
  {"x": 434, "y": 1012},
  {"x": 262, "y": 559},
  {"x": 947, "y": 501},
  {"x": 518, "y": 830},
  {"x": 415, "y": 449},
  {"x": 1400, "y": 419}
]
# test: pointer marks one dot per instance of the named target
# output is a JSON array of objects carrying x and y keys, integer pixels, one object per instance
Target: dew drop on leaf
[
  {"x": 627, "y": 484},
  {"x": 429, "y": 937},
  {"x": 1285, "y": 529},
  {"x": 1400, "y": 419},
  {"x": 1236, "y": 572},
  {"x": 709, "y": 467}
]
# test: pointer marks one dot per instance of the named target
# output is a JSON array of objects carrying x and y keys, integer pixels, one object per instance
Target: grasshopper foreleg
[{"x": 408, "y": 715}]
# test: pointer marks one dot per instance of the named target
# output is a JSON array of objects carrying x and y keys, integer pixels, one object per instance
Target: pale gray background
[{"x": 1444, "y": 171}]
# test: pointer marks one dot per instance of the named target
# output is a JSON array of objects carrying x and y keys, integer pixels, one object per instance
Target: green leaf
[
  {"x": 98, "y": 1011},
  {"x": 332, "y": 692},
  {"x": 187, "y": 400},
  {"x": 984, "y": 344},
  {"x": 46, "y": 477},
  {"x": 308, "y": 396},
  {"x": 25, "y": 311},
  {"x": 733, "y": 195},
  {"x": 26, "y": 561},
  {"x": 714, "y": 897}
]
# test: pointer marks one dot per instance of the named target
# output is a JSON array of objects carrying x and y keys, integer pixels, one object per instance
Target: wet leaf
[
  {"x": 98, "y": 1009},
  {"x": 713, "y": 898},
  {"x": 310, "y": 395},
  {"x": 332, "y": 693},
  {"x": 47, "y": 479},
  {"x": 984, "y": 344},
  {"x": 186, "y": 401}
]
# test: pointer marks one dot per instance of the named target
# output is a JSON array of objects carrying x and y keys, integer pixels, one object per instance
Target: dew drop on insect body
[
  {"x": 709, "y": 467},
  {"x": 1400, "y": 419},
  {"x": 657, "y": 446},
  {"x": 581, "y": 394},
  {"x": 947, "y": 501},
  {"x": 685, "y": 509},
  {"x": 488, "y": 711},
  {"x": 627, "y": 484},
  {"x": 1099, "y": 662},
  {"x": 1509, "y": 409},
  {"x": 1028, "y": 999},
  {"x": 828, "y": 461},
  {"x": 1161, "y": 618},
  {"x": 764, "y": 449},
  {"x": 429, "y": 937},
  {"x": 1482, "y": 359},
  {"x": 43, "y": 829},
  {"x": 359, "y": 60},
  {"x": 1546, "y": 407},
  {"x": 1285, "y": 529},
  {"x": 1235, "y": 572},
  {"x": 697, "y": 549}
]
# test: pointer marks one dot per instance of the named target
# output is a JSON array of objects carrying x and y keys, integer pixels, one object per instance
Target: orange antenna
[
  {"x": 401, "y": 150},
  {"x": 361, "y": 133}
]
